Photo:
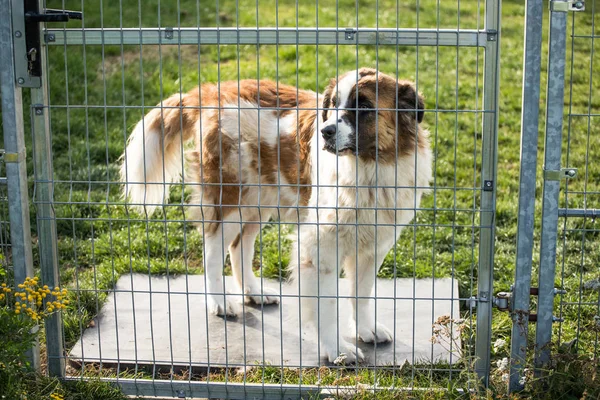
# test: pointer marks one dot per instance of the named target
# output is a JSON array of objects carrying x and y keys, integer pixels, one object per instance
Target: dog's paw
[
  {"x": 217, "y": 305},
  {"x": 372, "y": 335},
  {"x": 269, "y": 296},
  {"x": 348, "y": 354}
]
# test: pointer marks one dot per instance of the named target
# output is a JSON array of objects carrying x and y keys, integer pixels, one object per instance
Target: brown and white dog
[{"x": 350, "y": 166}]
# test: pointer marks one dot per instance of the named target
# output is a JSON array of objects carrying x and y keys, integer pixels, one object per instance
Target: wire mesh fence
[
  {"x": 146, "y": 285},
  {"x": 243, "y": 82},
  {"x": 580, "y": 201}
]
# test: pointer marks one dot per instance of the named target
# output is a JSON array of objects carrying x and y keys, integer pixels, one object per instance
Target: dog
[{"x": 349, "y": 166}]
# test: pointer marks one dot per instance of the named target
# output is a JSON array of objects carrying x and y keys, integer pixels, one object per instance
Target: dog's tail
[{"x": 154, "y": 158}]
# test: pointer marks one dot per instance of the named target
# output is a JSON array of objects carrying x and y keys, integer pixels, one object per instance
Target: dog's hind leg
[
  {"x": 214, "y": 257},
  {"x": 241, "y": 251}
]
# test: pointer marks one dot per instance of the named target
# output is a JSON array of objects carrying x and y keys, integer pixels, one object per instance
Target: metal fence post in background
[
  {"x": 46, "y": 223},
  {"x": 552, "y": 154},
  {"x": 488, "y": 193},
  {"x": 16, "y": 166},
  {"x": 529, "y": 150}
]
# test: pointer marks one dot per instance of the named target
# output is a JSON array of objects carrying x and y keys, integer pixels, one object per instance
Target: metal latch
[
  {"x": 52, "y": 15},
  {"x": 557, "y": 175},
  {"x": 566, "y": 6},
  {"x": 27, "y": 47}
]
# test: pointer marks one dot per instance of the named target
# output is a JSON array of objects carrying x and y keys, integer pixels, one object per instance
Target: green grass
[{"x": 99, "y": 240}]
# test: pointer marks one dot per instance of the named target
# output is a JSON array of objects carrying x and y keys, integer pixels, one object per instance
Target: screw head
[
  {"x": 578, "y": 5},
  {"x": 21, "y": 81},
  {"x": 38, "y": 111},
  {"x": 18, "y": 34},
  {"x": 571, "y": 173},
  {"x": 51, "y": 37}
]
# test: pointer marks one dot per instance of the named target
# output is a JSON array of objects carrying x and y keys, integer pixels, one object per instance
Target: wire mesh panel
[
  {"x": 5, "y": 252},
  {"x": 579, "y": 240},
  {"x": 332, "y": 213}
]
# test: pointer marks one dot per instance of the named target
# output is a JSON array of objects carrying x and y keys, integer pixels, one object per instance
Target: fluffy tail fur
[{"x": 153, "y": 158}]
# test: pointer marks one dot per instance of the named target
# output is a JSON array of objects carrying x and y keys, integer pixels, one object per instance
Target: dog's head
[{"x": 370, "y": 115}]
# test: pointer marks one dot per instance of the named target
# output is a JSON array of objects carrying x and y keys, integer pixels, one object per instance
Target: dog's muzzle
[{"x": 330, "y": 133}]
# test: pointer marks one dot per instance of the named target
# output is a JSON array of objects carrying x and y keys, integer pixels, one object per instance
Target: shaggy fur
[{"x": 350, "y": 166}]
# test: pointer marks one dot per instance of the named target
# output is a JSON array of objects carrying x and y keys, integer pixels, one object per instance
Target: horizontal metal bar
[
  {"x": 579, "y": 212},
  {"x": 222, "y": 390},
  {"x": 190, "y": 221},
  {"x": 236, "y": 108},
  {"x": 281, "y": 36},
  {"x": 291, "y": 296},
  {"x": 219, "y": 390}
]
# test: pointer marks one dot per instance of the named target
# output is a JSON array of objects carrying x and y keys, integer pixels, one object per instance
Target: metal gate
[
  {"x": 89, "y": 83},
  {"x": 570, "y": 197}
]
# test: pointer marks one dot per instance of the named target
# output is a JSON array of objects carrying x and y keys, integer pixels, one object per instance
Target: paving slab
[{"x": 157, "y": 320}]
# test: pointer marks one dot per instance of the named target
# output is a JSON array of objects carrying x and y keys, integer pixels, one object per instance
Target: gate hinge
[
  {"x": 557, "y": 175},
  {"x": 502, "y": 301},
  {"x": 26, "y": 32},
  {"x": 566, "y": 6}
]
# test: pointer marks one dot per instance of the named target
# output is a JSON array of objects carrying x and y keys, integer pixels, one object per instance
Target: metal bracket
[
  {"x": 169, "y": 33},
  {"x": 38, "y": 109},
  {"x": 350, "y": 33},
  {"x": 14, "y": 157},
  {"x": 566, "y": 6},
  {"x": 488, "y": 186},
  {"x": 557, "y": 175},
  {"x": 492, "y": 35},
  {"x": 26, "y": 18}
]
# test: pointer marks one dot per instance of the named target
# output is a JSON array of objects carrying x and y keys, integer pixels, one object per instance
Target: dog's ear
[
  {"x": 409, "y": 99},
  {"x": 327, "y": 97}
]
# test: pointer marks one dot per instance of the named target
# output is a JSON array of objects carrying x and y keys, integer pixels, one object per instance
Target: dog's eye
[{"x": 365, "y": 106}]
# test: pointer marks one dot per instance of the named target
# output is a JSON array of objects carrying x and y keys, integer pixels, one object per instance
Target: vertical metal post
[
  {"x": 552, "y": 153},
  {"x": 46, "y": 223},
  {"x": 488, "y": 197},
  {"x": 532, "y": 58},
  {"x": 16, "y": 166}
]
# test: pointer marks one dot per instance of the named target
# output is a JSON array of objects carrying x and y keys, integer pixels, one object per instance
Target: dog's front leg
[
  {"x": 320, "y": 306},
  {"x": 361, "y": 271}
]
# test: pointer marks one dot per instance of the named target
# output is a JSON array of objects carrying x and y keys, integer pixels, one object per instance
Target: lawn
[{"x": 99, "y": 239}]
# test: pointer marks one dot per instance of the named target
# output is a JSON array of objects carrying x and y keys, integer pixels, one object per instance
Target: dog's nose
[{"x": 329, "y": 131}]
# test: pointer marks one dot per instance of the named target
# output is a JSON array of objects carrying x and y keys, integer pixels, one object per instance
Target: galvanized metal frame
[
  {"x": 43, "y": 197},
  {"x": 267, "y": 36},
  {"x": 527, "y": 182},
  {"x": 489, "y": 163},
  {"x": 552, "y": 158},
  {"x": 16, "y": 165}
]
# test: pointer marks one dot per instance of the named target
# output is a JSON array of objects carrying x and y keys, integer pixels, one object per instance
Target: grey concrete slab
[{"x": 163, "y": 321}]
